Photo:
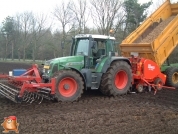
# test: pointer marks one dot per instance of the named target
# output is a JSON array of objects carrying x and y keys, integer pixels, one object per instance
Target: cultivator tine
[
  {"x": 30, "y": 97},
  {"x": 33, "y": 98},
  {"x": 25, "y": 97},
  {"x": 41, "y": 100},
  {"x": 38, "y": 97}
]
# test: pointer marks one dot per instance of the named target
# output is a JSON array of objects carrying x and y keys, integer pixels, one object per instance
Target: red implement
[
  {"x": 27, "y": 87},
  {"x": 147, "y": 73}
]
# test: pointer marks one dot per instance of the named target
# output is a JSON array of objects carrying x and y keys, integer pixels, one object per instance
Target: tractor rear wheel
[
  {"x": 172, "y": 76},
  {"x": 117, "y": 79},
  {"x": 69, "y": 86}
]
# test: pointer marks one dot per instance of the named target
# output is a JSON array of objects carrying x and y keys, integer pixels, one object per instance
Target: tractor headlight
[{"x": 46, "y": 68}]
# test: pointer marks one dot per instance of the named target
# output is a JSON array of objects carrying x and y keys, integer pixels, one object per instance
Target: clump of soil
[{"x": 156, "y": 31}]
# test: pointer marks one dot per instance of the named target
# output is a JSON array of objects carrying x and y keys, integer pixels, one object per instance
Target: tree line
[{"x": 33, "y": 36}]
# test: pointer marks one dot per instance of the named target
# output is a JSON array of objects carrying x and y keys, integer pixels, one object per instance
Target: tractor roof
[{"x": 94, "y": 36}]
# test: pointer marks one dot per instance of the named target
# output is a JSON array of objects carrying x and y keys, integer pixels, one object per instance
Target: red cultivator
[
  {"x": 147, "y": 74},
  {"x": 27, "y": 87}
]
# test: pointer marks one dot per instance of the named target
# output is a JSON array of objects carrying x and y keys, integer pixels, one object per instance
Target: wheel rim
[
  {"x": 67, "y": 87},
  {"x": 159, "y": 85},
  {"x": 121, "y": 80},
  {"x": 139, "y": 88},
  {"x": 175, "y": 78}
]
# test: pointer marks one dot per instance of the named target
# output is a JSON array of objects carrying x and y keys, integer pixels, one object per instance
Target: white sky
[{"x": 12, "y": 7}]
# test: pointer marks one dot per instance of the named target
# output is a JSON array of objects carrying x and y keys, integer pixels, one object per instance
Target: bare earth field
[{"x": 95, "y": 113}]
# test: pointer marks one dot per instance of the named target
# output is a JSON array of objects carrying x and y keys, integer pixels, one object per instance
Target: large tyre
[
  {"x": 117, "y": 79},
  {"x": 172, "y": 76},
  {"x": 69, "y": 86}
]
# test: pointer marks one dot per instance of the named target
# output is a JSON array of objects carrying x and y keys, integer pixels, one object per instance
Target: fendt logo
[{"x": 150, "y": 67}]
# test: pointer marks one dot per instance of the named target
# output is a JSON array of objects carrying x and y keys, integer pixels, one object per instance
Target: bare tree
[
  {"x": 80, "y": 9},
  {"x": 19, "y": 35},
  {"x": 25, "y": 21},
  {"x": 65, "y": 16},
  {"x": 119, "y": 24},
  {"x": 38, "y": 31},
  {"x": 104, "y": 14}
]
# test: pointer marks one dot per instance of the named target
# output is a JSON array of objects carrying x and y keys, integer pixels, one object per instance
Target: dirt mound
[
  {"x": 96, "y": 113},
  {"x": 156, "y": 31}
]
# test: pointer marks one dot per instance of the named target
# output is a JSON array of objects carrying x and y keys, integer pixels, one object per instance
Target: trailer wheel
[
  {"x": 159, "y": 83},
  {"x": 172, "y": 76},
  {"x": 117, "y": 79},
  {"x": 69, "y": 86}
]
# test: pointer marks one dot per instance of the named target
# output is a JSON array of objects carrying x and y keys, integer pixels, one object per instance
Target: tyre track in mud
[{"x": 96, "y": 113}]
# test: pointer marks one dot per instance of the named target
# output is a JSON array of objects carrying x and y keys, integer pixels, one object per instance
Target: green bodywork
[
  {"x": 76, "y": 62},
  {"x": 100, "y": 65},
  {"x": 165, "y": 66},
  {"x": 89, "y": 56}
]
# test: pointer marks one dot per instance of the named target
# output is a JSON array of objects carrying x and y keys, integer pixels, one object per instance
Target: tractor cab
[{"x": 93, "y": 47}]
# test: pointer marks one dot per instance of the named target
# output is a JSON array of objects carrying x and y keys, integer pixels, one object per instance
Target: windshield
[{"x": 82, "y": 47}]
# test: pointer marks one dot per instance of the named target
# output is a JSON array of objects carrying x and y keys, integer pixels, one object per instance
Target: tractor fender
[
  {"x": 80, "y": 75},
  {"x": 107, "y": 64}
]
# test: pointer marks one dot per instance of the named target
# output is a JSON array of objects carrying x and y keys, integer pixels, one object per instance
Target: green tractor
[{"x": 93, "y": 64}]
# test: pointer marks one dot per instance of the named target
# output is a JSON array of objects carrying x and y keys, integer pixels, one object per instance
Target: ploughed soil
[{"x": 95, "y": 113}]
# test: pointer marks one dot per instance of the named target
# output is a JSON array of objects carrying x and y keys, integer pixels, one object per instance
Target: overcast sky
[{"x": 12, "y": 7}]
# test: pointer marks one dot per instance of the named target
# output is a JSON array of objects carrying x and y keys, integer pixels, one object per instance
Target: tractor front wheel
[
  {"x": 117, "y": 80},
  {"x": 69, "y": 86}
]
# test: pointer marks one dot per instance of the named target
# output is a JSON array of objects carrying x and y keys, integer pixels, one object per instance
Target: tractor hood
[{"x": 70, "y": 61}]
